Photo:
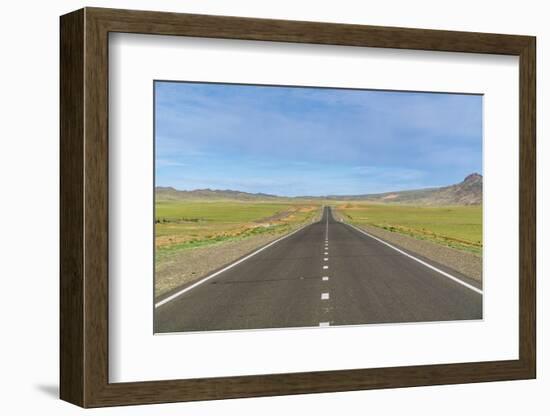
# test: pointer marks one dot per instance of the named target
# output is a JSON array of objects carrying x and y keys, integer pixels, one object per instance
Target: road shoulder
[
  {"x": 464, "y": 263},
  {"x": 186, "y": 267}
]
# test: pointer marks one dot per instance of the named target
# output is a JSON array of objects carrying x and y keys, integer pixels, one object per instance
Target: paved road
[{"x": 328, "y": 273}]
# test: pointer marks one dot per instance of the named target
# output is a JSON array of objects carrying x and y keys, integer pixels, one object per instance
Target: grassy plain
[
  {"x": 184, "y": 224},
  {"x": 459, "y": 227}
]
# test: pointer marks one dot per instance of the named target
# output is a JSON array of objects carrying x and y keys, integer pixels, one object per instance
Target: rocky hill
[{"x": 467, "y": 192}]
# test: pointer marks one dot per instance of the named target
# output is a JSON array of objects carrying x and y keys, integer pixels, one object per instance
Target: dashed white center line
[
  {"x": 325, "y": 296},
  {"x": 326, "y": 232}
]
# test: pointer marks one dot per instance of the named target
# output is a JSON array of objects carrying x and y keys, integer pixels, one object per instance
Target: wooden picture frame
[{"x": 84, "y": 207}]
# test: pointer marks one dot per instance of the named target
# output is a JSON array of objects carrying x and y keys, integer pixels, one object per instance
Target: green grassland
[
  {"x": 459, "y": 227},
  {"x": 185, "y": 224}
]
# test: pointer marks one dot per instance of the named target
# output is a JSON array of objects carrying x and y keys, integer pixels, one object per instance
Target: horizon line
[{"x": 315, "y": 196}]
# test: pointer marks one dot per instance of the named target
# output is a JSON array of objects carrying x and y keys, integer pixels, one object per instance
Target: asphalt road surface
[{"x": 328, "y": 273}]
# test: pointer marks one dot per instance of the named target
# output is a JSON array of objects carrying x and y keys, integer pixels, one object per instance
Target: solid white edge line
[
  {"x": 188, "y": 288},
  {"x": 447, "y": 275}
]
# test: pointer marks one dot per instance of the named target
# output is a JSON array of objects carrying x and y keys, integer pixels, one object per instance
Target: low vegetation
[
  {"x": 184, "y": 224},
  {"x": 459, "y": 227}
]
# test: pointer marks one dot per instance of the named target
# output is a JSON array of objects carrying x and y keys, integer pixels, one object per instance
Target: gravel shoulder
[
  {"x": 466, "y": 263},
  {"x": 187, "y": 266}
]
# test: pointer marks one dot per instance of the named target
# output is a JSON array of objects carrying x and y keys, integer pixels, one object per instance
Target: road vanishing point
[{"x": 327, "y": 273}]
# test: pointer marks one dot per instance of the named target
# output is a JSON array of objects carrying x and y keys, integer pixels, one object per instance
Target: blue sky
[{"x": 313, "y": 141}]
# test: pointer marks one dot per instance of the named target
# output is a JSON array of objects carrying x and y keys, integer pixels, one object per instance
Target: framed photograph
[{"x": 255, "y": 207}]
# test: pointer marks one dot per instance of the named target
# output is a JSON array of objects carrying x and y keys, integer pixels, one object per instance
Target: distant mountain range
[
  {"x": 169, "y": 193},
  {"x": 467, "y": 192}
]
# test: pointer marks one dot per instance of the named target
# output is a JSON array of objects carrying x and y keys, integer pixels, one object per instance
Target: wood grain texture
[
  {"x": 71, "y": 208},
  {"x": 96, "y": 208},
  {"x": 162, "y": 23},
  {"x": 527, "y": 208},
  {"x": 84, "y": 207}
]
